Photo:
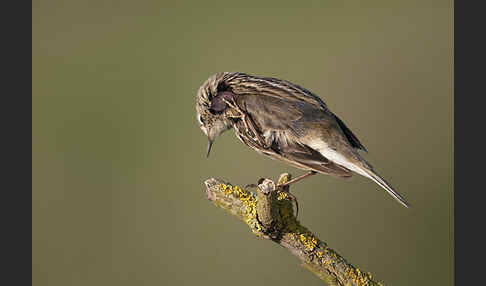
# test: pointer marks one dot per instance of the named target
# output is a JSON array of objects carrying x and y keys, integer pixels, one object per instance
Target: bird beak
[{"x": 210, "y": 143}]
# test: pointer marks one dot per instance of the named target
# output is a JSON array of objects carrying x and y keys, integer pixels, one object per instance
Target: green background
[{"x": 118, "y": 157}]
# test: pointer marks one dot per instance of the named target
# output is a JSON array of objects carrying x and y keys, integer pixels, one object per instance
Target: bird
[{"x": 283, "y": 121}]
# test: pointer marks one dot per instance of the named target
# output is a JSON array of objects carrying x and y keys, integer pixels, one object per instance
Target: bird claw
[
  {"x": 281, "y": 188},
  {"x": 285, "y": 189}
]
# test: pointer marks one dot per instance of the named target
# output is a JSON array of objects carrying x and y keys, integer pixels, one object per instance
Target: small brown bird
[{"x": 284, "y": 121}]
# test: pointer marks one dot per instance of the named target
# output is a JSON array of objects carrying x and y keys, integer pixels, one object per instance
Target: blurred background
[{"x": 119, "y": 160}]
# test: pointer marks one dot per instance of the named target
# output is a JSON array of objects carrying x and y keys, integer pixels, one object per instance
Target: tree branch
[{"x": 270, "y": 215}]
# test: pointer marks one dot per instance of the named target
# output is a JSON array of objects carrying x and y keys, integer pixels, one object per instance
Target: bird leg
[{"x": 296, "y": 179}]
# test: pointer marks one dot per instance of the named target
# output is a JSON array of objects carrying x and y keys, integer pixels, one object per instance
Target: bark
[{"x": 270, "y": 215}]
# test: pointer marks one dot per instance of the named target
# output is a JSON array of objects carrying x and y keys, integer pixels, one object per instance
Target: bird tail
[{"x": 370, "y": 173}]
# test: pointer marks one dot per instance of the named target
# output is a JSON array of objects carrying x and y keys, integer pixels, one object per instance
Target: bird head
[{"x": 210, "y": 108}]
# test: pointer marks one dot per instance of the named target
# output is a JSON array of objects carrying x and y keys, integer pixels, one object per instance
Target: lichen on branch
[{"x": 270, "y": 214}]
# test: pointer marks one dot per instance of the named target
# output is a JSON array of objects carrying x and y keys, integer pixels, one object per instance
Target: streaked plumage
[{"x": 284, "y": 121}]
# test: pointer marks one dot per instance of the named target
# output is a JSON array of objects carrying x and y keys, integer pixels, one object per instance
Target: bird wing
[
  {"x": 279, "y": 113},
  {"x": 273, "y": 87},
  {"x": 273, "y": 91},
  {"x": 280, "y": 123},
  {"x": 352, "y": 139}
]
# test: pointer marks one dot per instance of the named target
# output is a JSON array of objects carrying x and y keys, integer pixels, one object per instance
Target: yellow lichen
[
  {"x": 282, "y": 196},
  {"x": 249, "y": 200},
  {"x": 289, "y": 225},
  {"x": 360, "y": 278},
  {"x": 308, "y": 240}
]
